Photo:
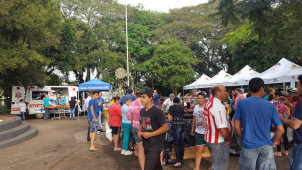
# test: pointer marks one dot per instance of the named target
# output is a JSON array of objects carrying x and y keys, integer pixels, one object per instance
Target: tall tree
[
  {"x": 27, "y": 30},
  {"x": 172, "y": 64},
  {"x": 201, "y": 30}
]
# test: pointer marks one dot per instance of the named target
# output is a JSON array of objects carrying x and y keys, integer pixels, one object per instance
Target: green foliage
[
  {"x": 172, "y": 64},
  {"x": 53, "y": 80},
  {"x": 201, "y": 30},
  {"x": 276, "y": 23},
  {"x": 27, "y": 30},
  {"x": 240, "y": 37}
]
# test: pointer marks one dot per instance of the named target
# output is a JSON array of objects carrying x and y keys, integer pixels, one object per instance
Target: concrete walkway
[{"x": 61, "y": 144}]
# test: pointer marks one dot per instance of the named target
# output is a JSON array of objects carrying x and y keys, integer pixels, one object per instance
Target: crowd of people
[{"x": 257, "y": 116}]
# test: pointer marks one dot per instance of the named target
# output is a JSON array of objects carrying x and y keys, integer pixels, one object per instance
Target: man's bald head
[
  {"x": 215, "y": 89},
  {"x": 219, "y": 91}
]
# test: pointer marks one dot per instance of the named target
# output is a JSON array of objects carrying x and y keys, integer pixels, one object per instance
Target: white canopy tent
[
  {"x": 219, "y": 78},
  {"x": 282, "y": 72},
  {"x": 242, "y": 77},
  {"x": 204, "y": 78}
]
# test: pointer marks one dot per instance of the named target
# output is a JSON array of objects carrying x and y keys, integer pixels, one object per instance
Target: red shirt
[
  {"x": 115, "y": 117},
  {"x": 290, "y": 98}
]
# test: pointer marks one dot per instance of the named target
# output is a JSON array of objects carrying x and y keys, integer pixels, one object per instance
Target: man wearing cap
[
  {"x": 294, "y": 91},
  {"x": 295, "y": 123},
  {"x": 168, "y": 102},
  {"x": 153, "y": 126}
]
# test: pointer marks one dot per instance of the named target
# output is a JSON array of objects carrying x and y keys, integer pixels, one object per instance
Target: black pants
[
  {"x": 88, "y": 134},
  {"x": 179, "y": 141},
  {"x": 152, "y": 160},
  {"x": 285, "y": 141}
]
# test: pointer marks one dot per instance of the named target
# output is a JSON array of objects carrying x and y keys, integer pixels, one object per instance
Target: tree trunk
[
  {"x": 152, "y": 82},
  {"x": 88, "y": 74}
]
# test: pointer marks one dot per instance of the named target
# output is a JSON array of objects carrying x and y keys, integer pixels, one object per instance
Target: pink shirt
[
  {"x": 134, "y": 111},
  {"x": 237, "y": 99}
]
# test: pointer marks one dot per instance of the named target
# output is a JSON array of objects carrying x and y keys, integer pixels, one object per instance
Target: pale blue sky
[{"x": 163, "y": 5}]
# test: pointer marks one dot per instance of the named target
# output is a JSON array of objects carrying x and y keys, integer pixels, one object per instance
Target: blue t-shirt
[
  {"x": 155, "y": 99},
  {"x": 92, "y": 103},
  {"x": 124, "y": 114},
  {"x": 298, "y": 115},
  {"x": 102, "y": 107},
  {"x": 98, "y": 108},
  {"x": 124, "y": 97},
  {"x": 256, "y": 116}
]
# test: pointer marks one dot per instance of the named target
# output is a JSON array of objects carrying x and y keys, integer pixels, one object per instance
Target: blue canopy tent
[{"x": 94, "y": 84}]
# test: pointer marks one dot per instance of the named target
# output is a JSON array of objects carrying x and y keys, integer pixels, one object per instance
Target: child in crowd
[
  {"x": 198, "y": 128},
  {"x": 115, "y": 121},
  {"x": 133, "y": 114},
  {"x": 93, "y": 121},
  {"x": 22, "y": 107},
  {"x": 153, "y": 127},
  {"x": 126, "y": 127}
]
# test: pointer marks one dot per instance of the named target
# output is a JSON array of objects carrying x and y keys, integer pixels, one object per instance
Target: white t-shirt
[
  {"x": 244, "y": 95},
  {"x": 216, "y": 118},
  {"x": 86, "y": 102},
  {"x": 22, "y": 107},
  {"x": 200, "y": 119},
  {"x": 168, "y": 103}
]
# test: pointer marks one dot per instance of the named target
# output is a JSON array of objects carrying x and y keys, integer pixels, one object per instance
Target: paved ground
[{"x": 61, "y": 144}]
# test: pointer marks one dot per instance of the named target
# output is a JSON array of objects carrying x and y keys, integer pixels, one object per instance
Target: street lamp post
[{"x": 128, "y": 74}]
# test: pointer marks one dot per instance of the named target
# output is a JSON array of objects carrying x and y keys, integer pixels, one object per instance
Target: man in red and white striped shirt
[{"x": 218, "y": 129}]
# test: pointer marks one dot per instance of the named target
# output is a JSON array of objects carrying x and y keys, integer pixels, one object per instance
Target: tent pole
[{"x": 82, "y": 103}]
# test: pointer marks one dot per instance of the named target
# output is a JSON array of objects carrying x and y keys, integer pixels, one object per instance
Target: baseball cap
[
  {"x": 294, "y": 90},
  {"x": 146, "y": 90}
]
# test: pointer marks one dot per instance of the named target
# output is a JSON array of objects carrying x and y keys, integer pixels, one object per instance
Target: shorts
[
  {"x": 136, "y": 138},
  {"x": 199, "y": 139},
  {"x": 93, "y": 126},
  {"x": 115, "y": 130}
]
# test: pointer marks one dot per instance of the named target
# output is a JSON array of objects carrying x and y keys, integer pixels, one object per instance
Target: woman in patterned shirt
[{"x": 176, "y": 115}]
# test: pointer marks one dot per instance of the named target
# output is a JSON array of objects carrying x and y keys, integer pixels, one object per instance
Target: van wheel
[{"x": 39, "y": 115}]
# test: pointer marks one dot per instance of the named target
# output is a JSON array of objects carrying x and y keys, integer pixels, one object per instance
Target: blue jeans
[
  {"x": 22, "y": 115},
  {"x": 46, "y": 114},
  {"x": 71, "y": 113},
  {"x": 220, "y": 155},
  {"x": 296, "y": 158},
  {"x": 179, "y": 141},
  {"x": 262, "y": 158},
  {"x": 127, "y": 131}
]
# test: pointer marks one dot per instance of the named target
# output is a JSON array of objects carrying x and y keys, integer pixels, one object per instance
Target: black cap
[{"x": 146, "y": 90}]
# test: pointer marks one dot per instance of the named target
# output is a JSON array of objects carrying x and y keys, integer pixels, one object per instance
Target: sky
[{"x": 163, "y": 5}]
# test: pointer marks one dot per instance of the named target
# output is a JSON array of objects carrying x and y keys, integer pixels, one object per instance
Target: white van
[{"x": 33, "y": 97}]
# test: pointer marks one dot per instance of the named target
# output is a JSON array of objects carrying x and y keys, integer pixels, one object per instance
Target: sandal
[
  {"x": 116, "y": 150},
  {"x": 93, "y": 150}
]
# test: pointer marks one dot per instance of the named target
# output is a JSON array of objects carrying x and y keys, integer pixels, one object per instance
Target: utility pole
[{"x": 128, "y": 74}]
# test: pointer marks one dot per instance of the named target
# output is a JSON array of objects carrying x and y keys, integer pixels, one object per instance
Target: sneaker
[
  {"x": 128, "y": 153},
  {"x": 98, "y": 132},
  {"x": 123, "y": 152}
]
